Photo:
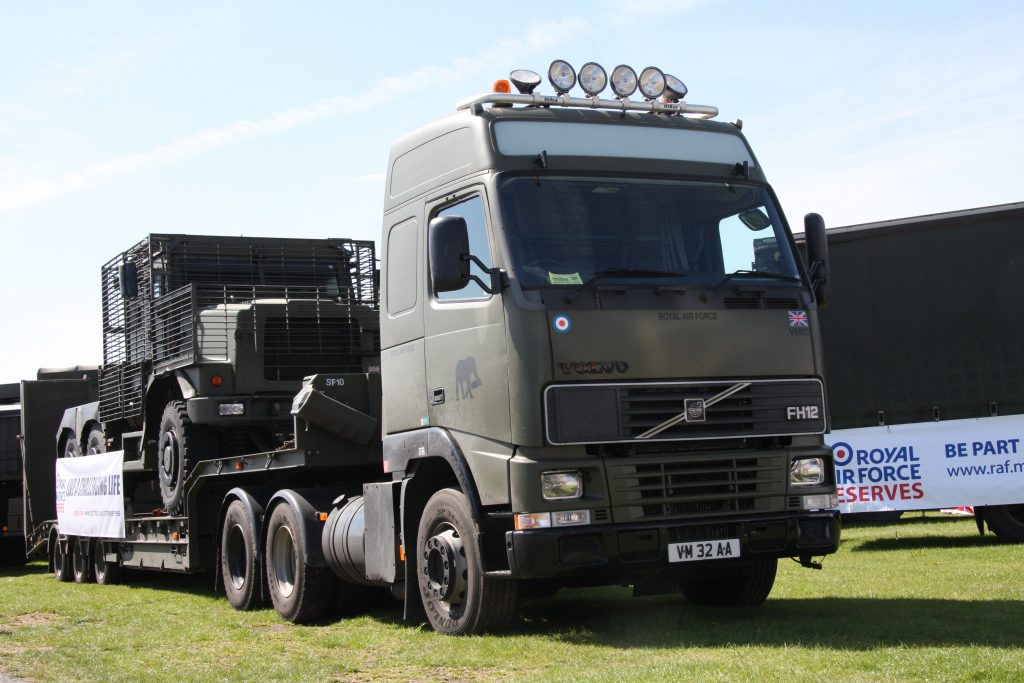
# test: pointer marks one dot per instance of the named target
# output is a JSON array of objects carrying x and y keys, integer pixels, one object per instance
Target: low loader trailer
[{"x": 594, "y": 360}]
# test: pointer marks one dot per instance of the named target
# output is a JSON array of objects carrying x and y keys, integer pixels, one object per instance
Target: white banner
[
  {"x": 90, "y": 495},
  {"x": 929, "y": 465}
]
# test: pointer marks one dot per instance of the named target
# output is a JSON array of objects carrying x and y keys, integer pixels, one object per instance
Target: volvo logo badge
[{"x": 694, "y": 409}]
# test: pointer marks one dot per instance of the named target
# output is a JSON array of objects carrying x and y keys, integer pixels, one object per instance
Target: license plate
[{"x": 704, "y": 550}]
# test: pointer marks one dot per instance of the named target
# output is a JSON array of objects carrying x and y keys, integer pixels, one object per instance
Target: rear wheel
[
  {"x": 104, "y": 572},
  {"x": 746, "y": 586},
  {"x": 1006, "y": 521},
  {"x": 457, "y": 597},
  {"x": 71, "y": 447},
  {"x": 300, "y": 591},
  {"x": 81, "y": 566},
  {"x": 239, "y": 566}
]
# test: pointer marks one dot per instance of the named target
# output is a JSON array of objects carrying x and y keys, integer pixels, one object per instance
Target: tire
[
  {"x": 300, "y": 591},
  {"x": 81, "y": 563},
  {"x": 179, "y": 446},
  {"x": 457, "y": 597},
  {"x": 71, "y": 447},
  {"x": 105, "y": 573},
  {"x": 747, "y": 587},
  {"x": 94, "y": 441},
  {"x": 239, "y": 557},
  {"x": 1006, "y": 521},
  {"x": 61, "y": 560}
]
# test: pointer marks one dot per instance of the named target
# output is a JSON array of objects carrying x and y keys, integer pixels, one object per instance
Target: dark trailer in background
[
  {"x": 926, "y": 322},
  {"x": 12, "y": 528}
]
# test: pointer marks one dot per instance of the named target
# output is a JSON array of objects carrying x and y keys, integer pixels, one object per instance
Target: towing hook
[{"x": 808, "y": 563}]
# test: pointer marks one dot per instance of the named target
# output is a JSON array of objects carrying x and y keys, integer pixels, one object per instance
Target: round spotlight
[
  {"x": 524, "y": 80},
  {"x": 593, "y": 78},
  {"x": 623, "y": 81},
  {"x": 651, "y": 83},
  {"x": 562, "y": 76},
  {"x": 675, "y": 89}
]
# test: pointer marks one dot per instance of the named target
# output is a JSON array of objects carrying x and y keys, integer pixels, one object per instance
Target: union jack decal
[{"x": 798, "y": 318}]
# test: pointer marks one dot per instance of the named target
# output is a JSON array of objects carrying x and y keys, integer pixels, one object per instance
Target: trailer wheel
[
  {"x": 300, "y": 591},
  {"x": 1006, "y": 521},
  {"x": 61, "y": 560},
  {"x": 81, "y": 565},
  {"x": 457, "y": 597},
  {"x": 178, "y": 446},
  {"x": 104, "y": 572},
  {"x": 747, "y": 587},
  {"x": 239, "y": 565},
  {"x": 94, "y": 441}
]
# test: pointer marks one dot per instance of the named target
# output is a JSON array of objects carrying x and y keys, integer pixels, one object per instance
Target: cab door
[{"x": 466, "y": 358}]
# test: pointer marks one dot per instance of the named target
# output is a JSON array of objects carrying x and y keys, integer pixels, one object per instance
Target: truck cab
[{"x": 595, "y": 312}]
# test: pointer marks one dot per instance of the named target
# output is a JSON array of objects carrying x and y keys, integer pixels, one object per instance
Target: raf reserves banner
[
  {"x": 90, "y": 497},
  {"x": 929, "y": 465}
]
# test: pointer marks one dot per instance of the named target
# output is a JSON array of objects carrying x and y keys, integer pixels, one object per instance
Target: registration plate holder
[{"x": 695, "y": 551}]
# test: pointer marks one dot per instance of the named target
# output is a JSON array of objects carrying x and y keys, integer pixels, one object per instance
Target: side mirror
[
  {"x": 448, "y": 246},
  {"x": 128, "y": 280},
  {"x": 817, "y": 258}
]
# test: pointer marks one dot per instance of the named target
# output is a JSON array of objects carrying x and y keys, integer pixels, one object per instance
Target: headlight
[
  {"x": 651, "y": 83},
  {"x": 623, "y": 81},
  {"x": 593, "y": 79},
  {"x": 807, "y": 472},
  {"x": 561, "y": 485},
  {"x": 225, "y": 409},
  {"x": 562, "y": 76}
]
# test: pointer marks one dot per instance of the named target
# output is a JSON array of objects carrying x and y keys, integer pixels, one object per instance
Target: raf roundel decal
[
  {"x": 561, "y": 323},
  {"x": 842, "y": 453}
]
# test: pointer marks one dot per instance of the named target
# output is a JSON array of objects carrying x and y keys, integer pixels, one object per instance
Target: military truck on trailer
[
  {"x": 599, "y": 364},
  {"x": 923, "y": 341}
]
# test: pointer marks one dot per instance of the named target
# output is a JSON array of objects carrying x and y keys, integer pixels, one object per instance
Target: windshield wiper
[
  {"x": 623, "y": 272},
  {"x": 755, "y": 273}
]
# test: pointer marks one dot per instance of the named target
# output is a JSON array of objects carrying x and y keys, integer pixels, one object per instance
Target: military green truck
[{"x": 599, "y": 365}]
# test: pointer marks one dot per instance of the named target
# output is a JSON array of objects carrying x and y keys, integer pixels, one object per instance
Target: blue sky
[{"x": 118, "y": 119}]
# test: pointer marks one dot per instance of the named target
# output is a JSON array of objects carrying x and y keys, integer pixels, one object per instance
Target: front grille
[
  {"x": 294, "y": 347},
  {"x": 606, "y": 413},
  {"x": 694, "y": 486}
]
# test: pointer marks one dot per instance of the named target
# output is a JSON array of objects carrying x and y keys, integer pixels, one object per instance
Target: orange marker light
[
  {"x": 216, "y": 380},
  {"x": 502, "y": 86},
  {"x": 322, "y": 516},
  {"x": 174, "y": 536},
  {"x": 239, "y": 465},
  {"x": 401, "y": 552}
]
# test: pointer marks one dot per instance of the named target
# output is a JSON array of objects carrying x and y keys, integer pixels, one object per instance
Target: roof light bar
[
  {"x": 562, "y": 76},
  {"x": 623, "y": 81},
  {"x": 593, "y": 78},
  {"x": 524, "y": 80},
  {"x": 675, "y": 89},
  {"x": 651, "y": 83}
]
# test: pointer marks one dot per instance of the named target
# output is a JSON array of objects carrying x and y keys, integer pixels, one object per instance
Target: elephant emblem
[{"x": 466, "y": 378}]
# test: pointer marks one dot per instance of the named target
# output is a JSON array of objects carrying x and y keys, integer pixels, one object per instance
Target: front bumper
[
  {"x": 635, "y": 550},
  {"x": 258, "y": 410}
]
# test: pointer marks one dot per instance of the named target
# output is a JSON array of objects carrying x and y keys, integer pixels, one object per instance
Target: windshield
[{"x": 565, "y": 231}]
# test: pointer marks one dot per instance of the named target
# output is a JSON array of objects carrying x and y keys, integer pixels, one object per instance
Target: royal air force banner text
[
  {"x": 929, "y": 465},
  {"x": 90, "y": 495}
]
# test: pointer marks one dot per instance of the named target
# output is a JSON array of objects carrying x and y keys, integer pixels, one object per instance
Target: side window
[
  {"x": 472, "y": 210},
  {"x": 401, "y": 267}
]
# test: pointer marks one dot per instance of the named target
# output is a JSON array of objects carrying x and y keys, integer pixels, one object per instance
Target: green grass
[{"x": 923, "y": 599}]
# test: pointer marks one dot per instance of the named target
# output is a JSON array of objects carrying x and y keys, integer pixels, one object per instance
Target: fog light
[
  {"x": 623, "y": 81},
  {"x": 561, "y": 485},
  {"x": 570, "y": 518},
  {"x": 823, "y": 501},
  {"x": 225, "y": 409},
  {"x": 533, "y": 520},
  {"x": 807, "y": 472}
]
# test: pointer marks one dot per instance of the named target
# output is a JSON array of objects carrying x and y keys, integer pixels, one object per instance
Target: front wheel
[
  {"x": 457, "y": 597},
  {"x": 746, "y": 586},
  {"x": 61, "y": 559},
  {"x": 300, "y": 591},
  {"x": 180, "y": 444}
]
